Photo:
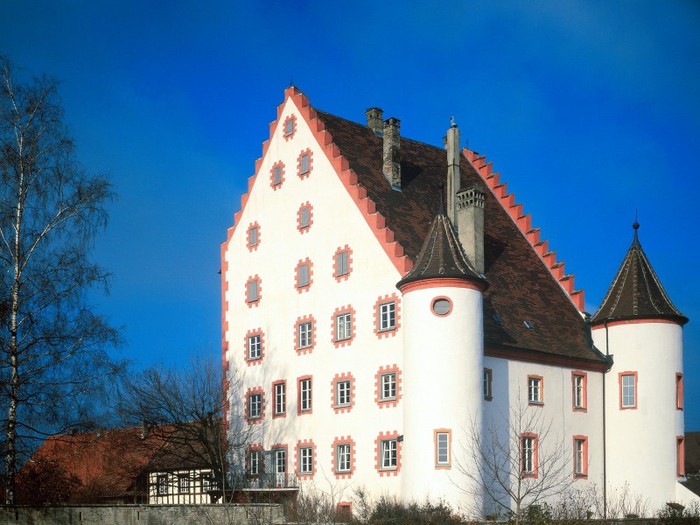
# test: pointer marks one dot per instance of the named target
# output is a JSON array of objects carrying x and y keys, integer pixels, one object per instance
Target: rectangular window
[
  {"x": 303, "y": 275},
  {"x": 680, "y": 456},
  {"x": 580, "y": 456},
  {"x": 442, "y": 448},
  {"x": 206, "y": 481},
  {"x": 304, "y": 332},
  {"x": 306, "y": 461},
  {"x": 305, "y": 220},
  {"x": 388, "y": 386},
  {"x": 534, "y": 390},
  {"x": 254, "y": 405},
  {"x": 679, "y": 391},
  {"x": 253, "y": 236},
  {"x": 387, "y": 316},
  {"x": 254, "y": 462},
  {"x": 252, "y": 291},
  {"x": 528, "y": 455},
  {"x": 389, "y": 454},
  {"x": 305, "y": 163},
  {"x": 183, "y": 483},
  {"x": 305, "y": 395},
  {"x": 162, "y": 484},
  {"x": 578, "y": 390},
  {"x": 280, "y": 461},
  {"x": 628, "y": 390},
  {"x": 342, "y": 457},
  {"x": 343, "y": 327},
  {"x": 280, "y": 398},
  {"x": 341, "y": 263},
  {"x": 288, "y": 126},
  {"x": 342, "y": 393},
  {"x": 277, "y": 175},
  {"x": 488, "y": 384},
  {"x": 254, "y": 346}
]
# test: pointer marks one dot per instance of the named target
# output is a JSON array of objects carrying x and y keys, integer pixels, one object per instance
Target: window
[
  {"x": 488, "y": 384},
  {"x": 528, "y": 455},
  {"x": 253, "y": 236},
  {"x": 303, "y": 275},
  {"x": 388, "y": 385},
  {"x": 304, "y": 163},
  {"x": 305, "y": 395},
  {"x": 183, "y": 483},
  {"x": 207, "y": 482},
  {"x": 343, "y": 326},
  {"x": 679, "y": 391},
  {"x": 277, "y": 175},
  {"x": 389, "y": 454},
  {"x": 254, "y": 406},
  {"x": 252, "y": 290},
  {"x": 254, "y": 346},
  {"x": 342, "y": 393},
  {"x": 343, "y": 457},
  {"x": 578, "y": 390},
  {"x": 280, "y": 395},
  {"x": 304, "y": 166},
  {"x": 162, "y": 485},
  {"x": 534, "y": 390},
  {"x": 341, "y": 264},
  {"x": 304, "y": 217},
  {"x": 305, "y": 334},
  {"x": 306, "y": 460},
  {"x": 290, "y": 125},
  {"x": 387, "y": 316},
  {"x": 580, "y": 456},
  {"x": 680, "y": 456},
  {"x": 442, "y": 306},
  {"x": 254, "y": 462},
  {"x": 280, "y": 455},
  {"x": 442, "y": 448},
  {"x": 628, "y": 390}
]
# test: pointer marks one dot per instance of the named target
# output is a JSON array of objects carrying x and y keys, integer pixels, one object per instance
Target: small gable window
[
  {"x": 253, "y": 236},
  {"x": 277, "y": 175},
  {"x": 304, "y": 217},
  {"x": 304, "y": 163},
  {"x": 252, "y": 291},
  {"x": 289, "y": 127}
]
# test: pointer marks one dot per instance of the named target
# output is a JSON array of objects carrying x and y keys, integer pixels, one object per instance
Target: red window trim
[
  {"x": 387, "y": 332},
  {"x": 347, "y": 309},
  {"x": 249, "y": 302},
  {"x": 584, "y": 393},
  {"x": 584, "y": 473},
  {"x": 386, "y": 436},
  {"x": 278, "y": 164},
  {"x": 346, "y": 275},
  {"x": 636, "y": 389},
  {"x": 253, "y": 447},
  {"x": 249, "y": 333},
  {"x": 306, "y": 443},
  {"x": 253, "y": 391},
  {"x": 301, "y": 412},
  {"x": 385, "y": 403},
  {"x": 299, "y": 321},
  {"x": 276, "y": 414},
  {"x": 679, "y": 391},
  {"x": 345, "y": 376},
  {"x": 251, "y": 226},
  {"x": 305, "y": 229},
  {"x": 535, "y": 456},
  {"x": 310, "y": 265},
  {"x": 290, "y": 135},
  {"x": 680, "y": 456},
  {"x": 310, "y": 154},
  {"x": 343, "y": 440},
  {"x": 540, "y": 402}
]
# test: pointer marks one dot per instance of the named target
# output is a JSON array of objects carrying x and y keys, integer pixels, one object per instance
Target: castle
[{"x": 390, "y": 318}]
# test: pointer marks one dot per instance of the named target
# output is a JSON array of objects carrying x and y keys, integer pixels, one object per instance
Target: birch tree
[{"x": 52, "y": 346}]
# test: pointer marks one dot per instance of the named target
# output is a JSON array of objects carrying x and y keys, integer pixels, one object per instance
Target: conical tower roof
[
  {"x": 636, "y": 292},
  {"x": 442, "y": 256}
]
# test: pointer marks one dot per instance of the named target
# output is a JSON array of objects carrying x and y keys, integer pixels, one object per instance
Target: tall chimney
[
  {"x": 453, "y": 176},
  {"x": 392, "y": 156},
  {"x": 470, "y": 224},
  {"x": 374, "y": 120}
]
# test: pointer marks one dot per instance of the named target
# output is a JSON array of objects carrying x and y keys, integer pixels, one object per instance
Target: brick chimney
[
  {"x": 470, "y": 224},
  {"x": 374, "y": 120},
  {"x": 453, "y": 175},
  {"x": 392, "y": 154}
]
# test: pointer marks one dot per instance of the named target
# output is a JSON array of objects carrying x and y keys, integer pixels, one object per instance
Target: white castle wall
[{"x": 642, "y": 441}]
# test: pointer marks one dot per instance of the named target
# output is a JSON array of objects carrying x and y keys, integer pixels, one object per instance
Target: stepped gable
[
  {"x": 442, "y": 257},
  {"x": 521, "y": 285},
  {"x": 636, "y": 292}
]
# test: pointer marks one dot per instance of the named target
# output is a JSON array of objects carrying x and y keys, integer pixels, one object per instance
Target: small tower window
[{"x": 442, "y": 306}]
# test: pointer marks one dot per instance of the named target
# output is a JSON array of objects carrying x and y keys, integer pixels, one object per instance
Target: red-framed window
[
  {"x": 387, "y": 448},
  {"x": 343, "y": 392},
  {"x": 580, "y": 447},
  {"x": 305, "y": 217},
  {"x": 343, "y": 454},
  {"x": 342, "y": 263},
  {"x": 305, "y": 163},
  {"x": 579, "y": 391},
  {"x": 277, "y": 175},
  {"x": 289, "y": 127},
  {"x": 529, "y": 455}
]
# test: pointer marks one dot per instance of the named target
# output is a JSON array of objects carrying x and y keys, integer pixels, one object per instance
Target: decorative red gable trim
[{"x": 524, "y": 223}]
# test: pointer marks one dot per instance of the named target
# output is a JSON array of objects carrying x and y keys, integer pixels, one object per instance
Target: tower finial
[{"x": 635, "y": 226}]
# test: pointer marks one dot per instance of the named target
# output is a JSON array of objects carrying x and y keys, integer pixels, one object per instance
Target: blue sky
[{"x": 589, "y": 110}]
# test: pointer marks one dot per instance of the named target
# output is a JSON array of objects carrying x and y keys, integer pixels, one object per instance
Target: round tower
[
  {"x": 443, "y": 370},
  {"x": 638, "y": 325}
]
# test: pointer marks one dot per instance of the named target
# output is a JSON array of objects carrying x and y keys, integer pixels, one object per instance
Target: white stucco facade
[{"x": 350, "y": 383}]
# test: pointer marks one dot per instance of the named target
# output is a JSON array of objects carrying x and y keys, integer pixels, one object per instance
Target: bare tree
[
  {"x": 185, "y": 407},
  {"x": 517, "y": 461},
  {"x": 52, "y": 345}
]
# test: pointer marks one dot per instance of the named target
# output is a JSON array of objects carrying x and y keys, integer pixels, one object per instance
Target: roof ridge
[{"x": 524, "y": 223}]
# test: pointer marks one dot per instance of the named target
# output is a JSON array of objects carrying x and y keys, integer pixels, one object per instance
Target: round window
[{"x": 442, "y": 306}]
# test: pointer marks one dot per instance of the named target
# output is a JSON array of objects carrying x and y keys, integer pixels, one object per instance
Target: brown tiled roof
[
  {"x": 441, "y": 256},
  {"x": 636, "y": 292},
  {"x": 521, "y": 287}
]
